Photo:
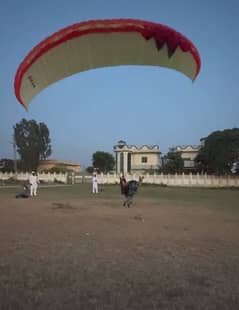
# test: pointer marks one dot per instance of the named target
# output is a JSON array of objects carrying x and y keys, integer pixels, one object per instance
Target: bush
[{"x": 58, "y": 181}]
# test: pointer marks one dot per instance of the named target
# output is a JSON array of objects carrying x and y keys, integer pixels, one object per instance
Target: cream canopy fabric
[{"x": 101, "y": 43}]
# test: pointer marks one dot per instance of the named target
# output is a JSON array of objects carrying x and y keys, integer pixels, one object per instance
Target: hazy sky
[{"x": 91, "y": 111}]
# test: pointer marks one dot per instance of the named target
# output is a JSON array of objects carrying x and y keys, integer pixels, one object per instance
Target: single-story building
[{"x": 48, "y": 164}]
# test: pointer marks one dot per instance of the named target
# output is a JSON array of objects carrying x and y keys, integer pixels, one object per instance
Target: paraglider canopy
[{"x": 101, "y": 43}]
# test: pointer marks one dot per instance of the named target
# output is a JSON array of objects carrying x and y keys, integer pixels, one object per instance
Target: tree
[
  {"x": 33, "y": 143},
  {"x": 173, "y": 163},
  {"x": 6, "y": 165},
  {"x": 90, "y": 169},
  {"x": 220, "y": 152},
  {"x": 103, "y": 161}
]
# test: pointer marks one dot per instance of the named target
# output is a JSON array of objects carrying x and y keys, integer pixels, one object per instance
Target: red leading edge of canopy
[{"x": 161, "y": 33}]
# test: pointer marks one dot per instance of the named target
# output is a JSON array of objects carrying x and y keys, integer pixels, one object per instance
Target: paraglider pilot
[
  {"x": 122, "y": 184},
  {"x": 128, "y": 189}
]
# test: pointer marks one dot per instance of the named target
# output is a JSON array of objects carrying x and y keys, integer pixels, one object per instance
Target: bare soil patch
[{"x": 62, "y": 251}]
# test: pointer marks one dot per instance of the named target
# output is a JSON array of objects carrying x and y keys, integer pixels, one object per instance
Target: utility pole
[{"x": 15, "y": 155}]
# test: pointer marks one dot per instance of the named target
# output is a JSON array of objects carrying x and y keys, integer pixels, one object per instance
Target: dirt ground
[{"x": 90, "y": 252}]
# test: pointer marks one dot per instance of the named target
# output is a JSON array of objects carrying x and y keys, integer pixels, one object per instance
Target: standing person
[
  {"x": 122, "y": 184},
  {"x": 94, "y": 184},
  {"x": 33, "y": 184}
]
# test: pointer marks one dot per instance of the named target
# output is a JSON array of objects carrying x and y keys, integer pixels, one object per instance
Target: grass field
[{"x": 176, "y": 248}]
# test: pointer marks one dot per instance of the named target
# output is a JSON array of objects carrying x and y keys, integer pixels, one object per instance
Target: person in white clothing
[
  {"x": 33, "y": 183},
  {"x": 94, "y": 184}
]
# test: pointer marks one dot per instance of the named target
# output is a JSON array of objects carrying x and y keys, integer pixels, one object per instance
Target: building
[
  {"x": 188, "y": 154},
  {"x": 132, "y": 159},
  {"x": 48, "y": 164}
]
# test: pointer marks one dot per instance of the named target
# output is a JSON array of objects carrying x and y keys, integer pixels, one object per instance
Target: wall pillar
[
  {"x": 125, "y": 163},
  {"x": 117, "y": 162}
]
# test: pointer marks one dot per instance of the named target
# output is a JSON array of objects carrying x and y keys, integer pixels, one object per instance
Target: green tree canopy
[
  {"x": 6, "y": 165},
  {"x": 90, "y": 169},
  {"x": 173, "y": 163},
  {"x": 103, "y": 161},
  {"x": 33, "y": 143},
  {"x": 220, "y": 151}
]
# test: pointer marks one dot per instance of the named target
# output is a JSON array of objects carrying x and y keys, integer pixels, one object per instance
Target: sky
[{"x": 91, "y": 111}]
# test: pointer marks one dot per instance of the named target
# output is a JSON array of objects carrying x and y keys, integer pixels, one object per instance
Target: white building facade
[{"x": 132, "y": 159}]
